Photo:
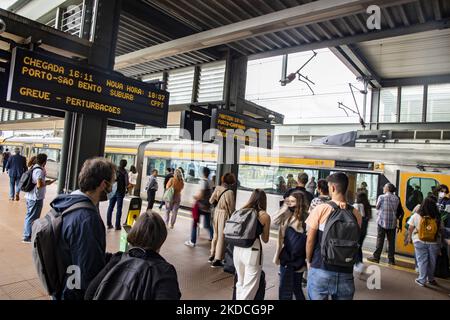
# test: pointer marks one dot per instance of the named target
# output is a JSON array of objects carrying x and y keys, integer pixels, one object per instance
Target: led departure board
[
  {"x": 45, "y": 81},
  {"x": 255, "y": 132}
]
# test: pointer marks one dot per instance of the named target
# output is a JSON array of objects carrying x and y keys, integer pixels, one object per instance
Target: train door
[{"x": 414, "y": 187}]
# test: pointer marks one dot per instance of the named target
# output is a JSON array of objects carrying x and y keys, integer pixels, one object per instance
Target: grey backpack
[
  {"x": 340, "y": 238},
  {"x": 45, "y": 236},
  {"x": 241, "y": 229}
]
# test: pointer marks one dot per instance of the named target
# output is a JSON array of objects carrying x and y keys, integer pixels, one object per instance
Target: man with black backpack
[
  {"x": 35, "y": 195},
  {"x": 332, "y": 244},
  {"x": 121, "y": 190},
  {"x": 77, "y": 240}
]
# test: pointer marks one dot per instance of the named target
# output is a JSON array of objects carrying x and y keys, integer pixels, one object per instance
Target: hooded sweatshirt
[{"x": 83, "y": 242}]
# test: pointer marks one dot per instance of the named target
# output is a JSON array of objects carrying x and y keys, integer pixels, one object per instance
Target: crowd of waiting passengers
[{"x": 320, "y": 234}]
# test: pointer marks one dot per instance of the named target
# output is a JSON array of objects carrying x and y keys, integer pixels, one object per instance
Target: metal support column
[
  {"x": 234, "y": 89},
  {"x": 88, "y": 133}
]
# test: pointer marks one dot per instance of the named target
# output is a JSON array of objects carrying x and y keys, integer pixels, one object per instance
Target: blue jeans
[
  {"x": 323, "y": 283},
  {"x": 290, "y": 283},
  {"x": 426, "y": 256},
  {"x": 13, "y": 186},
  {"x": 112, "y": 203},
  {"x": 208, "y": 226},
  {"x": 34, "y": 209}
]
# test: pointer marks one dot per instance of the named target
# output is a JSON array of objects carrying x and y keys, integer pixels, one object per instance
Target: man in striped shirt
[{"x": 387, "y": 223}]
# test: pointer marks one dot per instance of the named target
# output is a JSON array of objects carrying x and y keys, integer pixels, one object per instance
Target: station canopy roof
[{"x": 158, "y": 35}]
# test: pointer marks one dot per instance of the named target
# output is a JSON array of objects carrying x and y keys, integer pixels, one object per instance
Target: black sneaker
[
  {"x": 118, "y": 228},
  {"x": 391, "y": 263},
  {"x": 217, "y": 264},
  {"x": 433, "y": 282},
  {"x": 110, "y": 227},
  {"x": 211, "y": 259},
  {"x": 373, "y": 259},
  {"x": 26, "y": 240}
]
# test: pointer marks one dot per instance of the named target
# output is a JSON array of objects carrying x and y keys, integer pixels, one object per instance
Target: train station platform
[{"x": 197, "y": 280}]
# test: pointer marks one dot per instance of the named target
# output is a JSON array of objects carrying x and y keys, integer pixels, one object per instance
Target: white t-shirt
[
  {"x": 132, "y": 177},
  {"x": 360, "y": 208},
  {"x": 415, "y": 221},
  {"x": 37, "y": 193}
]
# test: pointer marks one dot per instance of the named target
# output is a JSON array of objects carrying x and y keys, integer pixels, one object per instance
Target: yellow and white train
[{"x": 411, "y": 169}]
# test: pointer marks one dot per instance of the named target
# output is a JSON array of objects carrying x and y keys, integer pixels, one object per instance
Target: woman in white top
[
  {"x": 426, "y": 244},
  {"x": 362, "y": 204},
  {"x": 248, "y": 261},
  {"x": 132, "y": 179}
]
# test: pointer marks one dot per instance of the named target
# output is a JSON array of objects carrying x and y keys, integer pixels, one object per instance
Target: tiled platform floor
[{"x": 197, "y": 279}]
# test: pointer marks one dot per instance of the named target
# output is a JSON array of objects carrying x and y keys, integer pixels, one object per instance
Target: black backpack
[
  {"x": 340, "y": 238},
  {"x": 45, "y": 236},
  {"x": 293, "y": 253},
  {"x": 26, "y": 180}
]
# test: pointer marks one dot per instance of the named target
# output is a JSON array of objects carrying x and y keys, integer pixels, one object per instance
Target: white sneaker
[{"x": 189, "y": 244}]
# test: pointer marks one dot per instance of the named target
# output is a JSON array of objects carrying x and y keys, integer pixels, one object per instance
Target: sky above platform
[{"x": 295, "y": 100}]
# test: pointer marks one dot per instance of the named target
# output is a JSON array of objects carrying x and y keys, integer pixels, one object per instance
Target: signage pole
[{"x": 88, "y": 138}]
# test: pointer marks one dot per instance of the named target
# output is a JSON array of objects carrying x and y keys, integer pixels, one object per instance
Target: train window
[
  {"x": 417, "y": 189},
  {"x": 253, "y": 176},
  {"x": 53, "y": 155},
  {"x": 271, "y": 179},
  {"x": 368, "y": 182},
  {"x": 158, "y": 164},
  {"x": 116, "y": 157},
  {"x": 192, "y": 169},
  {"x": 357, "y": 182}
]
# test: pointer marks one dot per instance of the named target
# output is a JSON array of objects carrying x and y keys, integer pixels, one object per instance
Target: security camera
[{"x": 2, "y": 26}]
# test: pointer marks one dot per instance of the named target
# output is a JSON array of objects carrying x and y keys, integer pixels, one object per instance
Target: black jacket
[
  {"x": 16, "y": 165},
  {"x": 136, "y": 275}
]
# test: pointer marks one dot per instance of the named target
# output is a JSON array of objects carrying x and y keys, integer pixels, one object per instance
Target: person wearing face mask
[
  {"x": 83, "y": 233},
  {"x": 291, "y": 245},
  {"x": 443, "y": 198}
]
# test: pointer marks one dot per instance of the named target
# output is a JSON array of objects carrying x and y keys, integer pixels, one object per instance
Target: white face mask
[{"x": 441, "y": 195}]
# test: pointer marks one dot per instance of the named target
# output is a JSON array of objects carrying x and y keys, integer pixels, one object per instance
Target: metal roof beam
[
  {"x": 387, "y": 15},
  {"x": 357, "y": 63},
  {"x": 19, "y": 28},
  {"x": 373, "y": 35},
  {"x": 437, "y": 9},
  {"x": 403, "y": 15},
  {"x": 162, "y": 23},
  {"x": 434, "y": 79},
  {"x": 301, "y": 15},
  {"x": 420, "y": 13}
]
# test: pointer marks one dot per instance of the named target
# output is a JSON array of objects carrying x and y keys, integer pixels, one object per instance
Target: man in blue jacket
[
  {"x": 83, "y": 235},
  {"x": 16, "y": 166}
]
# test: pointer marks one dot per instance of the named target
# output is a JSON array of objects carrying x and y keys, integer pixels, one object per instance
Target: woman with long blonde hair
[{"x": 177, "y": 183}]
